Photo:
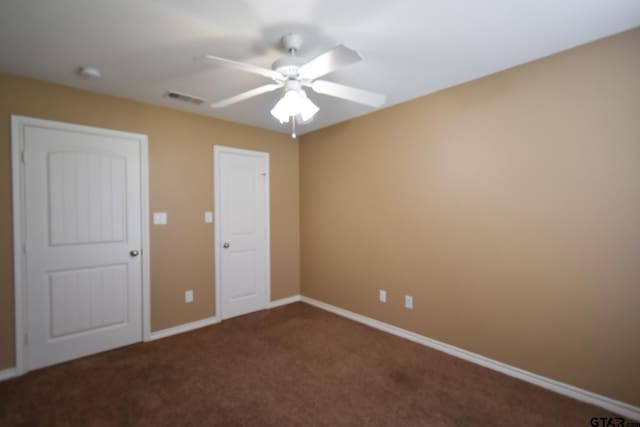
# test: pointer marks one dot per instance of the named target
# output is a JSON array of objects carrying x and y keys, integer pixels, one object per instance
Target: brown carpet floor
[{"x": 291, "y": 366}]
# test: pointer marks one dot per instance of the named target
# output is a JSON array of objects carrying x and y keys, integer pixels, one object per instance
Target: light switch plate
[
  {"x": 159, "y": 218},
  {"x": 188, "y": 296},
  {"x": 208, "y": 217},
  {"x": 383, "y": 295}
]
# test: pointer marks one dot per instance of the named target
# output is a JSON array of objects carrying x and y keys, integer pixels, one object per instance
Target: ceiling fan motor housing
[{"x": 288, "y": 66}]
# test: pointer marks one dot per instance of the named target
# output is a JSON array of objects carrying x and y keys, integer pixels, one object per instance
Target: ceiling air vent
[{"x": 184, "y": 97}]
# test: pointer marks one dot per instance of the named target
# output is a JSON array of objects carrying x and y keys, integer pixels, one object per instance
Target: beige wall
[
  {"x": 181, "y": 183},
  {"x": 509, "y": 207}
]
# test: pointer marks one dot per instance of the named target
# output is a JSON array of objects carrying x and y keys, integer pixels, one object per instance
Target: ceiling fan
[{"x": 294, "y": 73}]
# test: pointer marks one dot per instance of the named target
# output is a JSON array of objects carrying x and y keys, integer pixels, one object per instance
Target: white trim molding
[
  {"x": 582, "y": 395},
  {"x": 8, "y": 373},
  {"x": 285, "y": 301},
  {"x": 186, "y": 327},
  {"x": 146, "y": 244}
]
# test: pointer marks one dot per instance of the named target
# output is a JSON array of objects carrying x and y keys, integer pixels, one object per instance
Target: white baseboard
[
  {"x": 183, "y": 328},
  {"x": 211, "y": 320},
  {"x": 5, "y": 374},
  {"x": 284, "y": 301},
  {"x": 612, "y": 405}
]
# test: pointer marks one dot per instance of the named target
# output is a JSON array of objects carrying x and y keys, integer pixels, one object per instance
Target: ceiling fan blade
[
  {"x": 338, "y": 57},
  {"x": 246, "y": 95},
  {"x": 250, "y": 68},
  {"x": 349, "y": 93}
]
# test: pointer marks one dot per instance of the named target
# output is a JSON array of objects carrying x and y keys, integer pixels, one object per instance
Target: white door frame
[
  {"x": 217, "y": 242},
  {"x": 18, "y": 124}
]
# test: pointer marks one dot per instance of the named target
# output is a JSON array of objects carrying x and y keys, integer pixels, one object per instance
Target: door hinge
[
  {"x": 26, "y": 339},
  {"x": 24, "y": 248},
  {"x": 22, "y": 156},
  {"x": 263, "y": 174}
]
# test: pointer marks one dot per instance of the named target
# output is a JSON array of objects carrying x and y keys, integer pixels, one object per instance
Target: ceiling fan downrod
[{"x": 292, "y": 43}]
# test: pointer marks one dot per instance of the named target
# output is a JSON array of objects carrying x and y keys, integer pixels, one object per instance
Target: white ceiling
[{"x": 411, "y": 47}]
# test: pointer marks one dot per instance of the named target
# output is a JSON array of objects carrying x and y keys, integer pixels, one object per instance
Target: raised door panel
[{"x": 87, "y": 197}]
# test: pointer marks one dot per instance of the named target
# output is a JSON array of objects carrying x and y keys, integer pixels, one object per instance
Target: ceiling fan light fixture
[
  {"x": 285, "y": 107},
  {"x": 294, "y": 102},
  {"x": 307, "y": 108}
]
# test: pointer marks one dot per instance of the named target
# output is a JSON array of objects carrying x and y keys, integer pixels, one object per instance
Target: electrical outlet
[
  {"x": 188, "y": 296},
  {"x": 408, "y": 302},
  {"x": 383, "y": 295}
]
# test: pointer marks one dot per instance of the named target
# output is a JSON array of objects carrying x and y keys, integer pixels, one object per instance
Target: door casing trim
[
  {"x": 18, "y": 124},
  {"x": 217, "y": 243}
]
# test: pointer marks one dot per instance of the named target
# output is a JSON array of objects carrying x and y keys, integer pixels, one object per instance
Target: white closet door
[{"x": 243, "y": 230}]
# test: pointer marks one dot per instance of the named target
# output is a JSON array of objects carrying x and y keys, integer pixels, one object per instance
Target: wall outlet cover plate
[
  {"x": 383, "y": 295},
  {"x": 408, "y": 301}
]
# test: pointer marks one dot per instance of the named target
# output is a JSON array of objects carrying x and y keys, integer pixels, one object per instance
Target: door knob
[
  {"x": 226, "y": 245},
  {"x": 134, "y": 253}
]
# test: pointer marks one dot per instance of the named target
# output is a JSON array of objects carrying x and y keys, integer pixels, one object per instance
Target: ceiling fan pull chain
[{"x": 293, "y": 127}]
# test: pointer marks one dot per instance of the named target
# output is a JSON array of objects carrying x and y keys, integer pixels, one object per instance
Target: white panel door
[
  {"x": 83, "y": 239},
  {"x": 243, "y": 229}
]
